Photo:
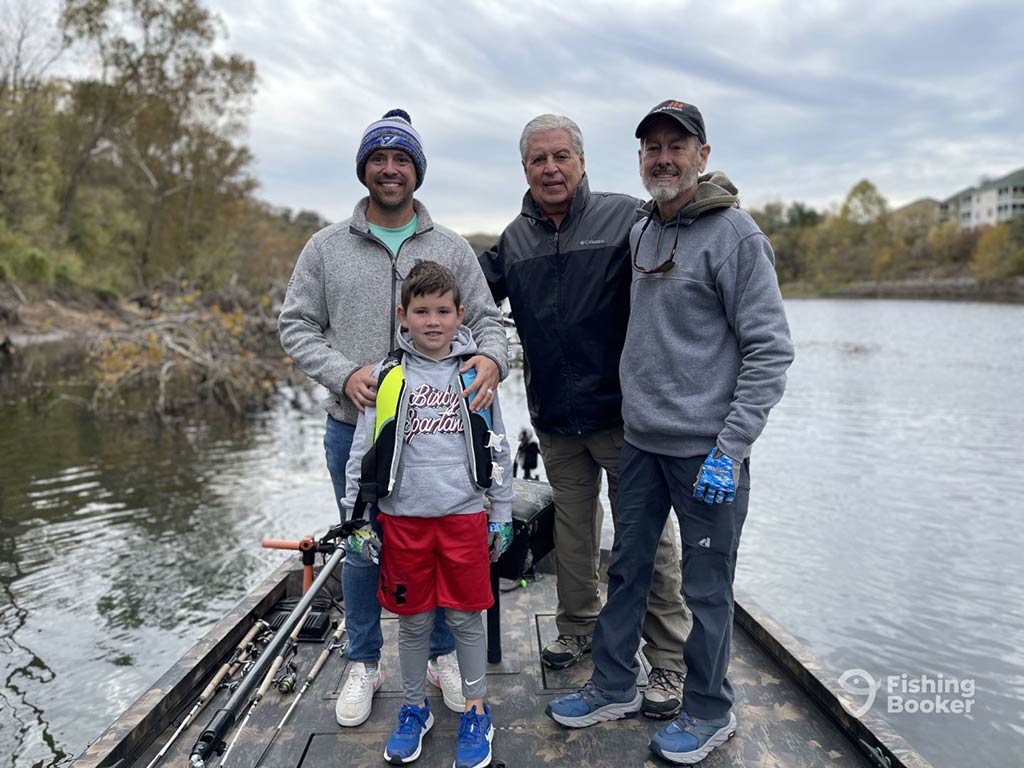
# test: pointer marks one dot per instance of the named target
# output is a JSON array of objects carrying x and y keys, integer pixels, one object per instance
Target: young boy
[{"x": 428, "y": 463}]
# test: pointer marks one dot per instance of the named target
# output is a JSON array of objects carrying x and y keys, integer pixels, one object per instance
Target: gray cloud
[{"x": 801, "y": 99}]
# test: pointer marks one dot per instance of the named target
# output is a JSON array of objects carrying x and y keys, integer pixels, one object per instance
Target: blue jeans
[
  {"x": 649, "y": 484},
  {"x": 359, "y": 576}
]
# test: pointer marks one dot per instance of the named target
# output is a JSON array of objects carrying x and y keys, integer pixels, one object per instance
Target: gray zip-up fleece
[
  {"x": 339, "y": 311},
  {"x": 708, "y": 344},
  {"x": 433, "y": 474}
]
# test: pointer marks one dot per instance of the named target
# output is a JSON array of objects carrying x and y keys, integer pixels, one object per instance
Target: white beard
[{"x": 664, "y": 191}]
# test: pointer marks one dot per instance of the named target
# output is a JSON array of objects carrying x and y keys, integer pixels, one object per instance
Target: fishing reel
[
  {"x": 342, "y": 530},
  {"x": 285, "y": 682}
]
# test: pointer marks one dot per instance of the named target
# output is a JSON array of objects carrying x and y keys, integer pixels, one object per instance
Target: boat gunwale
[
  {"x": 819, "y": 684},
  {"x": 177, "y": 688}
]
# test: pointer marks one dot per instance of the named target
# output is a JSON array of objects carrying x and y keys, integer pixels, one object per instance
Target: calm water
[{"x": 884, "y": 528}]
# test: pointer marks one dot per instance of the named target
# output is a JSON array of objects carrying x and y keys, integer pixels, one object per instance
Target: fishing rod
[
  {"x": 268, "y": 680},
  {"x": 211, "y": 740},
  {"x": 238, "y": 659},
  {"x": 333, "y": 643}
]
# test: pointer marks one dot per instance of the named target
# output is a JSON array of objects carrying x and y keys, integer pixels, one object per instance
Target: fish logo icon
[{"x": 850, "y": 681}]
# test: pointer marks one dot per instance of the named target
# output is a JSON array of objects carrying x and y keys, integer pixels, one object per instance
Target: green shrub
[
  {"x": 67, "y": 269},
  {"x": 35, "y": 266}
]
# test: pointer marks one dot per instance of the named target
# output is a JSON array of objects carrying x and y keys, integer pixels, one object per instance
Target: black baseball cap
[{"x": 686, "y": 114}]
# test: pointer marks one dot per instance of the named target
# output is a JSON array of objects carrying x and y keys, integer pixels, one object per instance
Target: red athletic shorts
[{"x": 428, "y": 562}]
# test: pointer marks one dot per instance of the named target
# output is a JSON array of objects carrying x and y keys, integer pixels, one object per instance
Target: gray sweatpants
[{"x": 414, "y": 649}]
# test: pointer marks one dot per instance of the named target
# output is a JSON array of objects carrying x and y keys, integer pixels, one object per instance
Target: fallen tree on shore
[{"x": 188, "y": 355}]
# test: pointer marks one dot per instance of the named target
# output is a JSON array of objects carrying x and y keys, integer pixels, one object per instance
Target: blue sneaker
[
  {"x": 407, "y": 738},
  {"x": 473, "y": 749},
  {"x": 589, "y": 706},
  {"x": 689, "y": 740}
]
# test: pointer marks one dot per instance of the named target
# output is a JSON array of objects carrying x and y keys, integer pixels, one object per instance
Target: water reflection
[{"x": 883, "y": 528}]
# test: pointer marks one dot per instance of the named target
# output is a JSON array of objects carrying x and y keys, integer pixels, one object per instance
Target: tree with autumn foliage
[{"x": 133, "y": 172}]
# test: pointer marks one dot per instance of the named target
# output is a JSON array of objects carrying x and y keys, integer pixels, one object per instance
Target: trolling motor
[{"x": 211, "y": 740}]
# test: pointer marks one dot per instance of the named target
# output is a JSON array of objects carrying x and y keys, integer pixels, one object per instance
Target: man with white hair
[{"x": 563, "y": 264}]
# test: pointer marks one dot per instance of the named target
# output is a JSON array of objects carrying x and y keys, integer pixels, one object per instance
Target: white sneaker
[
  {"x": 356, "y": 697},
  {"x": 444, "y": 673}
]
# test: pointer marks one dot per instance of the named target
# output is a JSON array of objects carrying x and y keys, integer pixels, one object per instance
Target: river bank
[
  {"x": 25, "y": 322},
  {"x": 28, "y": 321},
  {"x": 158, "y": 353},
  {"x": 962, "y": 288}
]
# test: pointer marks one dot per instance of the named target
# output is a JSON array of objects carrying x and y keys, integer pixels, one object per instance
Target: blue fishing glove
[
  {"x": 365, "y": 543},
  {"x": 499, "y": 538},
  {"x": 717, "y": 479}
]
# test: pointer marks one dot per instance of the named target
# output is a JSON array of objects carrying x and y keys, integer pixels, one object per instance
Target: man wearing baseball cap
[
  {"x": 704, "y": 361},
  {"x": 339, "y": 320}
]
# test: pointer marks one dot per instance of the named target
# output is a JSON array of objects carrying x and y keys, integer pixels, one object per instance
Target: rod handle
[
  {"x": 326, "y": 652},
  {"x": 281, "y": 544}
]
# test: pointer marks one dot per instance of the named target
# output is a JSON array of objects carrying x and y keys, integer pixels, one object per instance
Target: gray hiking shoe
[
  {"x": 566, "y": 650},
  {"x": 664, "y": 695}
]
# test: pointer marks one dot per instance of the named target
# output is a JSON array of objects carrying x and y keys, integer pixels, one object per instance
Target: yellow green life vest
[{"x": 380, "y": 464}]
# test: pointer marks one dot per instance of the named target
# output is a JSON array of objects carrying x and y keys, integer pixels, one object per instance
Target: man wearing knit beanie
[
  {"x": 339, "y": 321},
  {"x": 393, "y": 131}
]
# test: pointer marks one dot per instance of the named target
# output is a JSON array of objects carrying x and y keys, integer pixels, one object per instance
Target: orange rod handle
[{"x": 281, "y": 544}]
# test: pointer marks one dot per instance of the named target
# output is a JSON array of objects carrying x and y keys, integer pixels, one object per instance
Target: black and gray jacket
[{"x": 569, "y": 293}]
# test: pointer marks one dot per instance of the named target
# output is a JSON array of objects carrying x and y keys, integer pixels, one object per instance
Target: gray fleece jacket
[
  {"x": 433, "y": 475},
  {"x": 708, "y": 343},
  {"x": 339, "y": 311}
]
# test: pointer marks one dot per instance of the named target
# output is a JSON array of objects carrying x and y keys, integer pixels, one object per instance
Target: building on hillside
[{"x": 991, "y": 202}]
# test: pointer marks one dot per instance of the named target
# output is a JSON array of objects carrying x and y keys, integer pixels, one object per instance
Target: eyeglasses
[{"x": 668, "y": 263}]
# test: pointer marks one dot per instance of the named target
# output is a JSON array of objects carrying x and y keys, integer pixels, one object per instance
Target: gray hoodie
[
  {"x": 433, "y": 473},
  {"x": 708, "y": 344},
  {"x": 339, "y": 311}
]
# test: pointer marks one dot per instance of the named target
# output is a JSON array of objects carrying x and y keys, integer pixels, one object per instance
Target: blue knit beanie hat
[{"x": 393, "y": 131}]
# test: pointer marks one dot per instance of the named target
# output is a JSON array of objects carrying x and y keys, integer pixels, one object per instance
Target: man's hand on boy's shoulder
[
  {"x": 485, "y": 384},
  {"x": 361, "y": 387}
]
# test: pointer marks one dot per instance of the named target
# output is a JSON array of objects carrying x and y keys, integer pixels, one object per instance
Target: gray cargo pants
[{"x": 573, "y": 466}]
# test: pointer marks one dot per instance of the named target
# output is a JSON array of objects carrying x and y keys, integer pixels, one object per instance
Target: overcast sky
[{"x": 801, "y": 100}]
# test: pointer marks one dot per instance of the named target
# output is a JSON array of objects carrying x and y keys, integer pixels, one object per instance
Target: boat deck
[
  {"x": 787, "y": 706},
  {"x": 778, "y": 725}
]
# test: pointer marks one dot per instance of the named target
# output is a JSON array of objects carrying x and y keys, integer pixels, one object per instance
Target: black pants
[{"x": 649, "y": 484}]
